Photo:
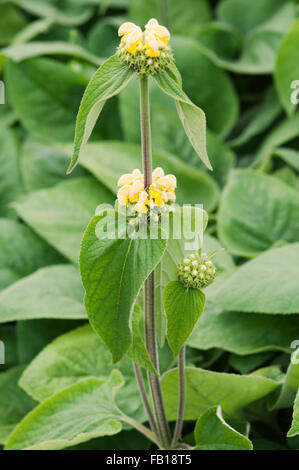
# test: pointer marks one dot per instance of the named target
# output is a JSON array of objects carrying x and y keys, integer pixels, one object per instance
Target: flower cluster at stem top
[
  {"x": 145, "y": 51},
  {"x": 196, "y": 271},
  {"x": 139, "y": 199}
]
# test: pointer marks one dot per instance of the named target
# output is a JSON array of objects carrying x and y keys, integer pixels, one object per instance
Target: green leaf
[
  {"x": 50, "y": 426},
  {"x": 51, "y": 292},
  {"x": 103, "y": 160},
  {"x": 34, "y": 335},
  {"x": 60, "y": 214},
  {"x": 22, "y": 252},
  {"x": 222, "y": 259},
  {"x": 256, "y": 212},
  {"x": 200, "y": 83},
  {"x": 103, "y": 38},
  {"x": 71, "y": 13},
  {"x": 137, "y": 351},
  {"x": 244, "y": 334},
  {"x": 181, "y": 17},
  {"x": 294, "y": 431},
  {"x": 212, "y": 432},
  {"x": 205, "y": 388},
  {"x": 246, "y": 17},
  {"x": 45, "y": 95},
  {"x": 74, "y": 356},
  {"x": 43, "y": 166},
  {"x": 267, "y": 284},
  {"x": 113, "y": 271},
  {"x": 290, "y": 156},
  {"x": 14, "y": 402},
  {"x": 183, "y": 308},
  {"x": 11, "y": 22},
  {"x": 10, "y": 178},
  {"x": 8, "y": 336},
  {"x": 166, "y": 270},
  {"x": 290, "y": 386},
  {"x": 20, "y": 52},
  {"x": 192, "y": 117},
  {"x": 287, "y": 67},
  {"x": 282, "y": 133},
  {"x": 261, "y": 117},
  {"x": 108, "y": 81}
]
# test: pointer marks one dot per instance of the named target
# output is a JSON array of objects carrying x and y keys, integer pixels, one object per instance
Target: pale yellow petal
[
  {"x": 127, "y": 178},
  {"x": 158, "y": 172},
  {"x": 126, "y": 28},
  {"x": 123, "y": 195}
]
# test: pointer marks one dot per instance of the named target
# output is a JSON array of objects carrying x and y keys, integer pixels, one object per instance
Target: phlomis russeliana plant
[{"x": 124, "y": 246}]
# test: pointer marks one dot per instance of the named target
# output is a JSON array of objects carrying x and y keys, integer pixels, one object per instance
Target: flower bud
[{"x": 196, "y": 271}]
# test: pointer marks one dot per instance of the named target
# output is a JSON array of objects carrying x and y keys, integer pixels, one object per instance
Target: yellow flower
[
  {"x": 131, "y": 37},
  {"x": 143, "y": 202},
  {"x": 156, "y": 37},
  {"x": 156, "y": 196},
  {"x": 132, "y": 190}
]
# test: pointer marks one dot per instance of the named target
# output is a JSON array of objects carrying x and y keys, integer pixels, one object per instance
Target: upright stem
[
  {"x": 180, "y": 418},
  {"x": 149, "y": 287},
  {"x": 145, "y": 125}
]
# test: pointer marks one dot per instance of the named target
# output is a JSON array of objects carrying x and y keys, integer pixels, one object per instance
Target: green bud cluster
[
  {"x": 196, "y": 271},
  {"x": 142, "y": 63}
]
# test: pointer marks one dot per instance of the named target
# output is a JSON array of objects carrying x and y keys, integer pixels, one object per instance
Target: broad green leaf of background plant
[
  {"x": 205, "y": 388},
  {"x": 294, "y": 431},
  {"x": 107, "y": 81},
  {"x": 22, "y": 252},
  {"x": 183, "y": 308},
  {"x": 287, "y": 67},
  {"x": 10, "y": 177},
  {"x": 266, "y": 284},
  {"x": 43, "y": 166},
  {"x": 290, "y": 386},
  {"x": 108, "y": 160},
  {"x": 244, "y": 334},
  {"x": 192, "y": 117},
  {"x": 45, "y": 95},
  {"x": 290, "y": 156},
  {"x": 70, "y": 14},
  {"x": 180, "y": 17},
  {"x": 61, "y": 214},
  {"x": 74, "y": 356},
  {"x": 282, "y": 133},
  {"x": 256, "y": 212},
  {"x": 14, "y": 402},
  {"x": 34, "y": 335},
  {"x": 20, "y": 52},
  {"x": 212, "y": 432},
  {"x": 11, "y": 22},
  {"x": 89, "y": 402},
  {"x": 113, "y": 271},
  {"x": 51, "y": 292}
]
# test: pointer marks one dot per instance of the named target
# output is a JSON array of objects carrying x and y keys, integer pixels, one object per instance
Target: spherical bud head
[{"x": 199, "y": 277}]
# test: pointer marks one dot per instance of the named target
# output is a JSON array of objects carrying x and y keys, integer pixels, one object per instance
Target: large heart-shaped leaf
[
  {"x": 50, "y": 426},
  {"x": 113, "y": 271},
  {"x": 74, "y": 356}
]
